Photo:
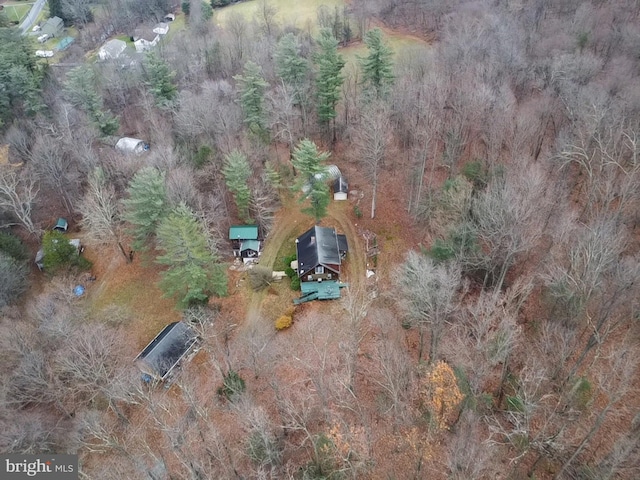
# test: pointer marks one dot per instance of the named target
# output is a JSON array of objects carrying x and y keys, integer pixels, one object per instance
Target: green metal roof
[
  {"x": 326, "y": 290},
  {"x": 243, "y": 232},
  {"x": 250, "y": 245},
  {"x": 61, "y": 224}
]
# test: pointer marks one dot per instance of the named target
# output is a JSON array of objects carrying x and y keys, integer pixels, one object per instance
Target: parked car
[{"x": 44, "y": 38}]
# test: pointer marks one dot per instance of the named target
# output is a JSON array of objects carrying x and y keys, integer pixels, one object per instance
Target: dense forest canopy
[{"x": 490, "y": 326}]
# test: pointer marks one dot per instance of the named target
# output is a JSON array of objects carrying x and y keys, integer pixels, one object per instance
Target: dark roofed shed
[{"x": 166, "y": 350}]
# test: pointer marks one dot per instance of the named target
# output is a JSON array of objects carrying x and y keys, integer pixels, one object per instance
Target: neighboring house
[
  {"x": 144, "y": 39},
  {"x": 161, "y": 28},
  {"x": 132, "y": 145},
  {"x": 112, "y": 49},
  {"x": 320, "y": 251},
  {"x": 53, "y": 27},
  {"x": 165, "y": 352},
  {"x": 340, "y": 188},
  {"x": 245, "y": 242},
  {"x": 40, "y": 254}
]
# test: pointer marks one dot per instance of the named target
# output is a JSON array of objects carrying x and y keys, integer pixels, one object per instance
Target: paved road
[{"x": 32, "y": 16}]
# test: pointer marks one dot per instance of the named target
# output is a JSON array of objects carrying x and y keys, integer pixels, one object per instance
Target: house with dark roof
[
  {"x": 245, "y": 242},
  {"x": 319, "y": 254},
  {"x": 320, "y": 251},
  {"x": 165, "y": 352}
]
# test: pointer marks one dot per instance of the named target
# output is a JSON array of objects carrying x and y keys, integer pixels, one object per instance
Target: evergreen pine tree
[
  {"x": 146, "y": 204},
  {"x": 193, "y": 272},
  {"x": 160, "y": 80},
  {"x": 252, "y": 86},
  {"x": 58, "y": 252},
  {"x": 81, "y": 90},
  {"x": 236, "y": 172},
  {"x": 308, "y": 161},
  {"x": 377, "y": 66},
  {"x": 292, "y": 68},
  {"x": 329, "y": 64}
]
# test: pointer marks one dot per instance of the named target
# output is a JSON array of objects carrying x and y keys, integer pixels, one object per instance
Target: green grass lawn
[
  {"x": 16, "y": 12},
  {"x": 299, "y": 13},
  {"x": 396, "y": 41}
]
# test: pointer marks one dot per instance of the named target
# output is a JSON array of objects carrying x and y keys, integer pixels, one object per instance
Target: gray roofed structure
[
  {"x": 53, "y": 27},
  {"x": 112, "y": 49},
  {"x": 318, "y": 246},
  {"x": 165, "y": 351}
]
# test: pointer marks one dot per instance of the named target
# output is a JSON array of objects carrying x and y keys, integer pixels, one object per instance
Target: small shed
[
  {"x": 53, "y": 27},
  {"x": 161, "y": 28},
  {"x": 169, "y": 17},
  {"x": 165, "y": 352},
  {"x": 244, "y": 238},
  {"x": 330, "y": 173},
  {"x": 112, "y": 49},
  {"x": 132, "y": 145},
  {"x": 61, "y": 225},
  {"x": 249, "y": 250},
  {"x": 340, "y": 188}
]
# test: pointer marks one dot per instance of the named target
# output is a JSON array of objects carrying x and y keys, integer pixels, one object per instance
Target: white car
[
  {"x": 44, "y": 53},
  {"x": 44, "y": 38},
  {"x": 37, "y": 28}
]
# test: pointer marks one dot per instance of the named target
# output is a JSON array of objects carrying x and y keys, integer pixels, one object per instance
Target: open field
[
  {"x": 397, "y": 41},
  {"x": 17, "y": 12},
  {"x": 293, "y": 12}
]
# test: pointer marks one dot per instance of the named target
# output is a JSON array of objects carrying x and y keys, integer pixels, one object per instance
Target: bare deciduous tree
[
  {"x": 101, "y": 213},
  {"x": 18, "y": 191},
  {"x": 372, "y": 139},
  {"x": 428, "y": 292}
]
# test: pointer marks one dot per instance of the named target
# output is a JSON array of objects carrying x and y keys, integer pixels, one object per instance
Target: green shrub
[
  {"x": 357, "y": 211},
  {"x": 582, "y": 393},
  {"x": 476, "y": 173},
  {"x": 202, "y": 156},
  {"x": 13, "y": 247},
  {"x": 295, "y": 283},
  {"x": 233, "y": 386},
  {"x": 514, "y": 404},
  {"x": 58, "y": 252},
  {"x": 441, "y": 251},
  {"x": 289, "y": 272}
]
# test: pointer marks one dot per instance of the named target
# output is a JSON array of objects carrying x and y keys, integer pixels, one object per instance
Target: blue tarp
[
  {"x": 78, "y": 291},
  {"x": 64, "y": 43}
]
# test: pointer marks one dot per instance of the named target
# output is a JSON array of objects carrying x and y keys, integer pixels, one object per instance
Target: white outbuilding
[{"x": 132, "y": 145}]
